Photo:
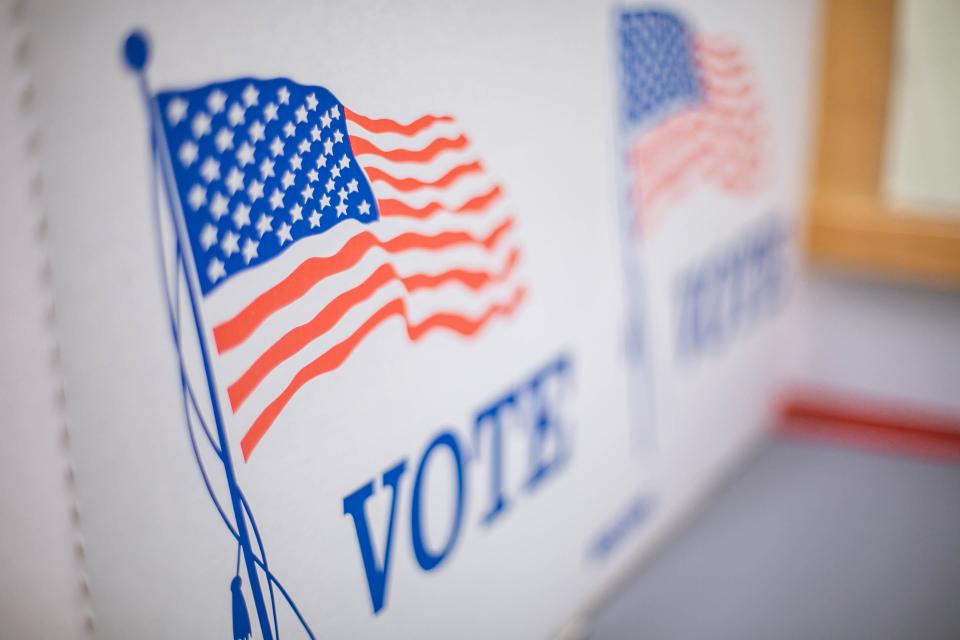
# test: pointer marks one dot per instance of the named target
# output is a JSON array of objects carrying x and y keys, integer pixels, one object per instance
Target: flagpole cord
[{"x": 137, "y": 53}]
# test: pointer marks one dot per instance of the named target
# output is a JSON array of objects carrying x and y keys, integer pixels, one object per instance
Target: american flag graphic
[
  {"x": 311, "y": 226},
  {"x": 691, "y": 111}
]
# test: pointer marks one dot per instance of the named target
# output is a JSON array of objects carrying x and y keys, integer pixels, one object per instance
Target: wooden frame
[{"x": 850, "y": 224}]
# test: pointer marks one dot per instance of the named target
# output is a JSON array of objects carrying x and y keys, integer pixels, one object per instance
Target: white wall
[{"x": 891, "y": 341}]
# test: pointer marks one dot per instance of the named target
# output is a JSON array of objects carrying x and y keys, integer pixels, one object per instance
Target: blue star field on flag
[
  {"x": 658, "y": 68},
  {"x": 259, "y": 165}
]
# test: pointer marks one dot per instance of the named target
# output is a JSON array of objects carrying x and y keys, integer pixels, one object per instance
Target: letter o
[{"x": 427, "y": 559}]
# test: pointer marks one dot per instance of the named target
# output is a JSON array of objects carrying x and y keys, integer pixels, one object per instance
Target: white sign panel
[{"x": 407, "y": 320}]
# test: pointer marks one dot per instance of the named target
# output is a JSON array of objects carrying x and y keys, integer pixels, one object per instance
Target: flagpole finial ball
[{"x": 136, "y": 51}]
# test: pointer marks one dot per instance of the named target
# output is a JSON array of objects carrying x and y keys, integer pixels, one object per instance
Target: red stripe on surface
[
  {"x": 871, "y": 424},
  {"x": 337, "y": 355}
]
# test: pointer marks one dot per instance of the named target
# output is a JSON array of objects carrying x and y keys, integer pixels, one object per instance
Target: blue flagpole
[
  {"x": 137, "y": 53},
  {"x": 638, "y": 344}
]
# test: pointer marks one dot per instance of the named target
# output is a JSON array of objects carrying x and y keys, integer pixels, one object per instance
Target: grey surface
[{"x": 808, "y": 540}]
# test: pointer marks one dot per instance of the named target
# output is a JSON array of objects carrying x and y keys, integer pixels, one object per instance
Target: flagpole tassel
[{"x": 241, "y": 619}]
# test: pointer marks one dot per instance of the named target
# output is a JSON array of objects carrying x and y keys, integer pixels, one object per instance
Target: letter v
[{"x": 353, "y": 505}]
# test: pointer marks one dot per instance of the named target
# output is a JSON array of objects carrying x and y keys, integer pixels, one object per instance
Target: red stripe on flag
[
  {"x": 232, "y": 332},
  {"x": 412, "y": 184},
  {"x": 718, "y": 140},
  {"x": 338, "y": 354},
  {"x": 678, "y": 171},
  {"x": 298, "y": 338},
  {"x": 390, "y": 208},
  {"x": 386, "y": 125},
  {"x": 717, "y": 50},
  {"x": 363, "y": 146}
]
